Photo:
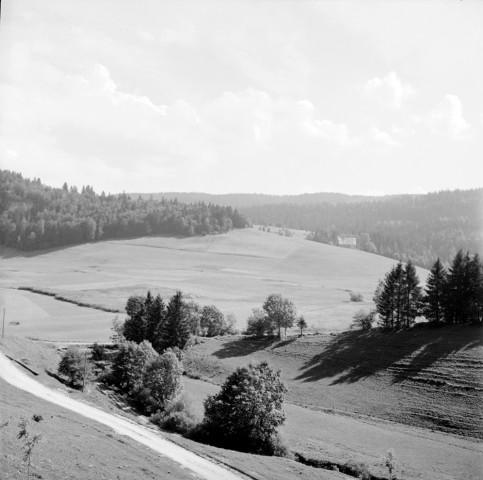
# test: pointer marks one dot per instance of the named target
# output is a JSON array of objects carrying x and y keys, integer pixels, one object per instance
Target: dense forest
[
  {"x": 417, "y": 227},
  {"x": 36, "y": 216},
  {"x": 241, "y": 200}
]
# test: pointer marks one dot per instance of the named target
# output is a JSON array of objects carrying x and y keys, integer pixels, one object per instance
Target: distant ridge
[{"x": 238, "y": 200}]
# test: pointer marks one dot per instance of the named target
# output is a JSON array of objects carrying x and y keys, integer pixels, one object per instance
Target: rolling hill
[{"x": 234, "y": 271}]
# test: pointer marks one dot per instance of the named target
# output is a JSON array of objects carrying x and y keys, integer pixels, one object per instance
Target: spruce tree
[
  {"x": 434, "y": 305},
  {"x": 412, "y": 295},
  {"x": 175, "y": 328},
  {"x": 383, "y": 298},
  {"x": 474, "y": 271},
  {"x": 456, "y": 295},
  {"x": 154, "y": 317}
]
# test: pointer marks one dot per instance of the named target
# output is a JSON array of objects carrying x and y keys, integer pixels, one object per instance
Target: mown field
[
  {"x": 423, "y": 377},
  {"x": 234, "y": 271}
]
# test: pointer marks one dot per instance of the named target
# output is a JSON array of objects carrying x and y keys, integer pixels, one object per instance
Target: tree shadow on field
[
  {"x": 356, "y": 355},
  {"x": 444, "y": 343},
  {"x": 242, "y": 347}
]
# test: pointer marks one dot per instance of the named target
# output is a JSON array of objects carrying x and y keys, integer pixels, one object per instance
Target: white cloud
[
  {"x": 389, "y": 91},
  {"x": 382, "y": 138},
  {"x": 447, "y": 118}
]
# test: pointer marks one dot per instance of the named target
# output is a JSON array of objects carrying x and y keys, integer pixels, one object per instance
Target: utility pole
[
  {"x": 85, "y": 369},
  {"x": 3, "y": 324}
]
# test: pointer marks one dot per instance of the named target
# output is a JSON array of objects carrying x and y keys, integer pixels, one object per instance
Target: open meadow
[
  {"x": 234, "y": 271},
  {"x": 352, "y": 395}
]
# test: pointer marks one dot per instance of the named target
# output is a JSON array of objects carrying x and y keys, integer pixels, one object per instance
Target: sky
[{"x": 270, "y": 96}]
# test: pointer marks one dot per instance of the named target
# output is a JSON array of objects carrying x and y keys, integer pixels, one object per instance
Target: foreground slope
[
  {"x": 110, "y": 446},
  {"x": 235, "y": 271}
]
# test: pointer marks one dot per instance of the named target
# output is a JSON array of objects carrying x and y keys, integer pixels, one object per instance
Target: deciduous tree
[
  {"x": 280, "y": 311},
  {"x": 248, "y": 409}
]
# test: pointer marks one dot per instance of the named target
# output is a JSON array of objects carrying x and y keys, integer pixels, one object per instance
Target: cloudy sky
[{"x": 272, "y": 96}]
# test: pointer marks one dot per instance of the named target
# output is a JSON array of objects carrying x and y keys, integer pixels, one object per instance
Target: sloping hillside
[
  {"x": 423, "y": 376},
  {"x": 234, "y": 271}
]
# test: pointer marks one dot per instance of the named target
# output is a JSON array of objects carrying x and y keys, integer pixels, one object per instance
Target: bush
[
  {"x": 98, "y": 352},
  {"x": 356, "y": 469},
  {"x": 356, "y": 297},
  {"x": 245, "y": 414},
  {"x": 363, "y": 320},
  {"x": 230, "y": 324},
  {"x": 178, "y": 417},
  {"x": 72, "y": 366}
]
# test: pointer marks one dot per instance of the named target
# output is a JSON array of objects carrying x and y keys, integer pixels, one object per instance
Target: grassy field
[
  {"x": 424, "y": 377},
  {"x": 234, "y": 271},
  {"x": 344, "y": 387},
  {"x": 421, "y": 453}
]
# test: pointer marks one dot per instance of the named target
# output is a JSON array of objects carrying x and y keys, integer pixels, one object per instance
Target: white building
[{"x": 347, "y": 241}]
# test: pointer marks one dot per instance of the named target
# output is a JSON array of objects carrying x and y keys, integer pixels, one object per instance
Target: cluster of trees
[
  {"x": 171, "y": 325},
  {"x": 451, "y": 297},
  {"x": 244, "y": 415},
  {"x": 35, "y": 216},
  {"x": 403, "y": 227},
  {"x": 150, "y": 380},
  {"x": 277, "y": 313}
]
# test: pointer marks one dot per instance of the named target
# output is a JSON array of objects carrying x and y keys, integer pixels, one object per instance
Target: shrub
[
  {"x": 356, "y": 469},
  {"x": 98, "y": 352},
  {"x": 356, "y": 297},
  {"x": 230, "y": 324},
  {"x": 390, "y": 463},
  {"x": 363, "y": 320},
  {"x": 245, "y": 414},
  {"x": 72, "y": 366},
  {"x": 178, "y": 417}
]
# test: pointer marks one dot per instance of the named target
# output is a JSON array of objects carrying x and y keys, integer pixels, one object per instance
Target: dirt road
[{"x": 202, "y": 467}]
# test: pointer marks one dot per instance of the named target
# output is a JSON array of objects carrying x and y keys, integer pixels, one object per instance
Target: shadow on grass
[
  {"x": 242, "y": 347},
  {"x": 356, "y": 355}
]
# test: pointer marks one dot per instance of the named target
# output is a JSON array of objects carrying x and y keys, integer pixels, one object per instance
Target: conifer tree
[
  {"x": 456, "y": 295},
  {"x": 474, "y": 271},
  {"x": 412, "y": 298},
  {"x": 154, "y": 317},
  {"x": 434, "y": 305},
  {"x": 175, "y": 329}
]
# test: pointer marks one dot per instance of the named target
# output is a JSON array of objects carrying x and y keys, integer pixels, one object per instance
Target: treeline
[
  {"x": 450, "y": 297},
  {"x": 36, "y": 216},
  {"x": 417, "y": 227}
]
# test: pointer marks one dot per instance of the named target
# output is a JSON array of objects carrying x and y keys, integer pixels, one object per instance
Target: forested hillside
[
  {"x": 35, "y": 216},
  {"x": 242, "y": 200},
  {"x": 417, "y": 227}
]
